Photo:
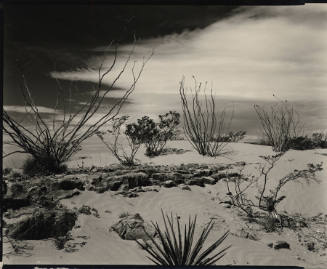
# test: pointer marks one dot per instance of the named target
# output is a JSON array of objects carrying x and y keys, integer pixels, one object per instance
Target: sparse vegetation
[
  {"x": 266, "y": 200},
  {"x": 232, "y": 136},
  {"x": 203, "y": 125},
  {"x": 125, "y": 157},
  {"x": 280, "y": 124},
  {"x": 52, "y": 143},
  {"x": 154, "y": 135},
  {"x": 33, "y": 166},
  {"x": 317, "y": 140},
  {"x": 178, "y": 247}
]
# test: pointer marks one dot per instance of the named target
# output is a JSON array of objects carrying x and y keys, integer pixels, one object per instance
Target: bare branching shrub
[
  {"x": 117, "y": 148},
  {"x": 266, "y": 200},
  {"x": 53, "y": 143},
  {"x": 203, "y": 125},
  {"x": 280, "y": 124}
]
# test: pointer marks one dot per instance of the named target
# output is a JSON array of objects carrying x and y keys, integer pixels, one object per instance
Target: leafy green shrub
[
  {"x": 43, "y": 166},
  {"x": 179, "y": 247},
  {"x": 154, "y": 135}
]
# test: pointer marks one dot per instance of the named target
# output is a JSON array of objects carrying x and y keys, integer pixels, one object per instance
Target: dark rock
[
  {"x": 114, "y": 185},
  {"x": 15, "y": 203},
  {"x": 70, "y": 184},
  {"x": 4, "y": 187},
  {"x": 151, "y": 188},
  {"x": 163, "y": 176},
  {"x": 234, "y": 174},
  {"x": 169, "y": 184},
  {"x": 133, "y": 227},
  {"x": 270, "y": 245},
  {"x": 69, "y": 194},
  {"x": 310, "y": 246},
  {"x": 43, "y": 224},
  {"x": 248, "y": 234},
  {"x": 135, "y": 179},
  {"x": 101, "y": 189},
  {"x": 132, "y": 195},
  {"x": 16, "y": 189},
  {"x": 154, "y": 182},
  {"x": 281, "y": 244},
  {"x": 85, "y": 209},
  {"x": 202, "y": 172},
  {"x": 179, "y": 181},
  {"x": 184, "y": 187},
  {"x": 209, "y": 180},
  {"x": 195, "y": 181},
  {"x": 218, "y": 176}
]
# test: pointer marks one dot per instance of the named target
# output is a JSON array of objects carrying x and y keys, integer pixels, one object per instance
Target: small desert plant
[
  {"x": 317, "y": 140},
  {"x": 116, "y": 147},
  {"x": 154, "y": 135},
  {"x": 203, "y": 125},
  {"x": 53, "y": 142},
  {"x": 280, "y": 124},
  {"x": 43, "y": 166},
  {"x": 231, "y": 137},
  {"x": 178, "y": 247},
  {"x": 320, "y": 140},
  {"x": 266, "y": 200}
]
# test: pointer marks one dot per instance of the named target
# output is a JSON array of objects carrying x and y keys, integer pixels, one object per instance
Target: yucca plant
[{"x": 179, "y": 247}]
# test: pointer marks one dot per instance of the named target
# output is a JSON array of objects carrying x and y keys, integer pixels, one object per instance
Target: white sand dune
[{"x": 106, "y": 247}]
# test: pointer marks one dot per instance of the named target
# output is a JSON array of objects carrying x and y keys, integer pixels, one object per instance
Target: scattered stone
[
  {"x": 281, "y": 244},
  {"x": 132, "y": 195},
  {"x": 16, "y": 189},
  {"x": 151, "y": 188},
  {"x": 133, "y": 227},
  {"x": 85, "y": 209},
  {"x": 218, "y": 176},
  {"x": 15, "y": 203},
  {"x": 43, "y": 224},
  {"x": 209, "y": 180},
  {"x": 311, "y": 246},
  {"x": 135, "y": 179},
  {"x": 184, "y": 187},
  {"x": 114, "y": 185},
  {"x": 69, "y": 183},
  {"x": 202, "y": 172},
  {"x": 163, "y": 176},
  {"x": 248, "y": 234},
  {"x": 270, "y": 245},
  {"x": 169, "y": 184},
  {"x": 195, "y": 181}
]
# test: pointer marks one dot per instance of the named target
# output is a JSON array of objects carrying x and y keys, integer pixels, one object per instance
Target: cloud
[
  {"x": 257, "y": 53},
  {"x": 23, "y": 109}
]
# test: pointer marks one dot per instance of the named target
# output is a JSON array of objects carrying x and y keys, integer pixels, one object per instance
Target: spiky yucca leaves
[{"x": 179, "y": 247}]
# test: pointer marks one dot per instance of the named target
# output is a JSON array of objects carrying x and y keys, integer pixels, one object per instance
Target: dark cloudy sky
[
  {"x": 245, "y": 53},
  {"x": 253, "y": 54}
]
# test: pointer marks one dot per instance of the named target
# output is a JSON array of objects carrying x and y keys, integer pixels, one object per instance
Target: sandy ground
[{"x": 98, "y": 245}]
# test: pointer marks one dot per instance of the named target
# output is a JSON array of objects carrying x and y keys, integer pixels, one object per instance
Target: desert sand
[{"x": 95, "y": 243}]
